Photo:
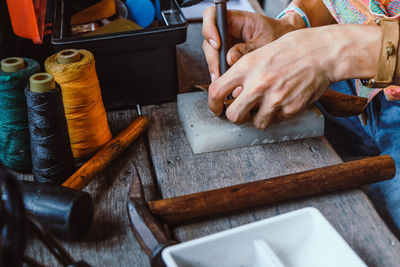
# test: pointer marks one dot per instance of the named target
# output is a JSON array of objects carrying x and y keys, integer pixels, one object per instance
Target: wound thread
[
  {"x": 14, "y": 133},
  {"x": 84, "y": 110},
  {"x": 51, "y": 151}
]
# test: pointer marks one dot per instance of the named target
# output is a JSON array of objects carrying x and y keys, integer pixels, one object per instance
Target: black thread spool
[{"x": 51, "y": 151}]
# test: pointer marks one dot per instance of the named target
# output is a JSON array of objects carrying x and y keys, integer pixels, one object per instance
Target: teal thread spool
[{"x": 14, "y": 133}]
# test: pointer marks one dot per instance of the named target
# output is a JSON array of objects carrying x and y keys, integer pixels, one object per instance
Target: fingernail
[
  {"x": 213, "y": 43},
  {"x": 235, "y": 56},
  {"x": 213, "y": 77},
  {"x": 262, "y": 125}
]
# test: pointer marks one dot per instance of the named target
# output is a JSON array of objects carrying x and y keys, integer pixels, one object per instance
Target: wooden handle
[
  {"x": 101, "y": 159},
  {"x": 335, "y": 103},
  {"x": 342, "y": 105},
  {"x": 342, "y": 176}
]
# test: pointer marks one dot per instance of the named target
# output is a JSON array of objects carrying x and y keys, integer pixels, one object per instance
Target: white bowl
[{"x": 301, "y": 238}]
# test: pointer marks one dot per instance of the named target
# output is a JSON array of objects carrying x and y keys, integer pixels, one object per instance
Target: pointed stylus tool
[{"x": 222, "y": 25}]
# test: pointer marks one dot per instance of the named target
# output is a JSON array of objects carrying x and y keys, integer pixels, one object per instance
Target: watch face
[{"x": 368, "y": 82}]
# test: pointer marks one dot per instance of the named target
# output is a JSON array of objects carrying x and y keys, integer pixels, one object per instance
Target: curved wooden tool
[
  {"x": 147, "y": 230},
  {"x": 342, "y": 105},
  {"x": 106, "y": 154},
  {"x": 179, "y": 210},
  {"x": 335, "y": 103}
]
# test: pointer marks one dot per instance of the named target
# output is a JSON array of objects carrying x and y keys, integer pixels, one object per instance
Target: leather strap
[{"x": 387, "y": 56}]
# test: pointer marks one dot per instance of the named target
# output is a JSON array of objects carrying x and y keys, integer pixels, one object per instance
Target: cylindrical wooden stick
[
  {"x": 335, "y": 103},
  {"x": 105, "y": 155},
  {"x": 342, "y": 105},
  {"x": 342, "y": 176}
]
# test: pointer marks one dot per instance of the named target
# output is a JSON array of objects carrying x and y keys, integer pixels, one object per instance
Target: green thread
[{"x": 14, "y": 132}]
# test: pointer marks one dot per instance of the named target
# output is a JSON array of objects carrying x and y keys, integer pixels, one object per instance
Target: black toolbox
[{"x": 134, "y": 67}]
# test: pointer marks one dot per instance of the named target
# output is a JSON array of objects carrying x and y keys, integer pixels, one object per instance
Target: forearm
[{"x": 355, "y": 52}]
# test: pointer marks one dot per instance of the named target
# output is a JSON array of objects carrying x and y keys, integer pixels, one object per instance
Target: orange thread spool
[{"x": 74, "y": 70}]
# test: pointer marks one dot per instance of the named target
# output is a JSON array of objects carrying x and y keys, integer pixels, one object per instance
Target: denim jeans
[{"x": 381, "y": 135}]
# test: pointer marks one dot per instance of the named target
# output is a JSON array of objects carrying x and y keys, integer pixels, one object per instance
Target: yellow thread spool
[{"x": 74, "y": 70}]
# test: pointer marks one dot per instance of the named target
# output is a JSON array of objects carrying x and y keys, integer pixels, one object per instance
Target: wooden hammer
[{"x": 147, "y": 217}]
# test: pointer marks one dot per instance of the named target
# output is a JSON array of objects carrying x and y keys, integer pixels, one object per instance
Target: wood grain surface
[
  {"x": 180, "y": 172},
  {"x": 338, "y": 177},
  {"x": 110, "y": 241}
]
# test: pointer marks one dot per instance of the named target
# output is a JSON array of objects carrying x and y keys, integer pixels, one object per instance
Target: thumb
[{"x": 239, "y": 50}]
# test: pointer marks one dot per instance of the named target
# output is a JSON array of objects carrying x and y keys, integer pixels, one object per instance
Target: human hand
[
  {"x": 287, "y": 75},
  {"x": 248, "y": 32}
]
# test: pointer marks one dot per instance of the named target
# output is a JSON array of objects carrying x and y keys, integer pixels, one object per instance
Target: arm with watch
[
  {"x": 293, "y": 64},
  {"x": 283, "y": 65}
]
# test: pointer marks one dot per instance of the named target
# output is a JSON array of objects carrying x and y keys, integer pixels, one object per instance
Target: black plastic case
[{"x": 134, "y": 67}]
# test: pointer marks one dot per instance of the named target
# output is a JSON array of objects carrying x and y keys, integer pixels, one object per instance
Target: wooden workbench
[{"x": 168, "y": 168}]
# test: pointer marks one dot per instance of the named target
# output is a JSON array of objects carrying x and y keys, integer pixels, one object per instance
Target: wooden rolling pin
[
  {"x": 101, "y": 159},
  {"x": 183, "y": 209}
]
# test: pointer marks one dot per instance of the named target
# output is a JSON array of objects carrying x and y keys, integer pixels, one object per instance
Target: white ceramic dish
[{"x": 302, "y": 238}]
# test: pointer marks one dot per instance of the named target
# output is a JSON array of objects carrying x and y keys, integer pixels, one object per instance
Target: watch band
[{"x": 387, "y": 56}]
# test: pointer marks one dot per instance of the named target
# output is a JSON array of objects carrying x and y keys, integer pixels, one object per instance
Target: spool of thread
[
  {"x": 14, "y": 133},
  {"x": 74, "y": 70},
  {"x": 51, "y": 151}
]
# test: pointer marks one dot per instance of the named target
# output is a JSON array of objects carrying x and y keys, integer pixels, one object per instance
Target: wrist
[
  {"x": 354, "y": 51},
  {"x": 292, "y": 21}
]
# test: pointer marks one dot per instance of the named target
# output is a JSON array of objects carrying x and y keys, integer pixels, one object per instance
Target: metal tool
[
  {"x": 222, "y": 25},
  {"x": 148, "y": 231},
  {"x": 52, "y": 244}
]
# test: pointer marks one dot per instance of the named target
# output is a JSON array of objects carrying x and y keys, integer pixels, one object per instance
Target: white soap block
[{"x": 207, "y": 132}]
